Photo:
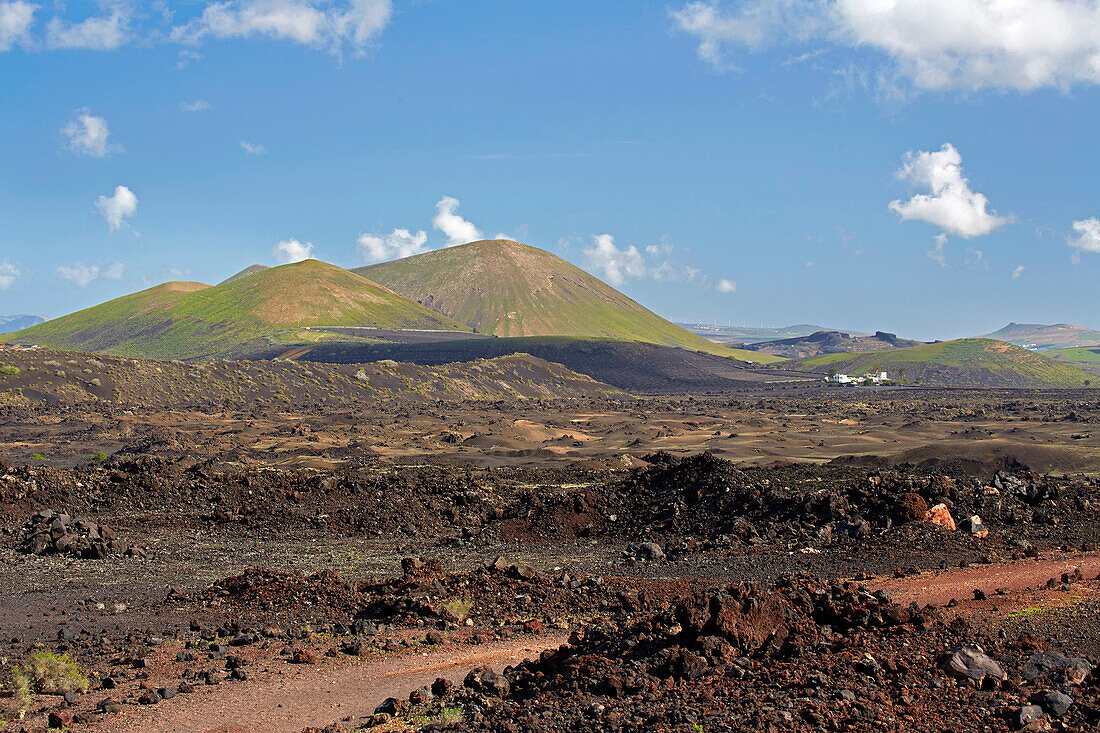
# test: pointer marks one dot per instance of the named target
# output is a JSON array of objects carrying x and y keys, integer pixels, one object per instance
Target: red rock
[{"x": 941, "y": 517}]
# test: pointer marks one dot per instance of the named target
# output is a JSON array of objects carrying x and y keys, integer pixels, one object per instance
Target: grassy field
[
  {"x": 192, "y": 321},
  {"x": 1089, "y": 355},
  {"x": 508, "y": 289},
  {"x": 965, "y": 362}
]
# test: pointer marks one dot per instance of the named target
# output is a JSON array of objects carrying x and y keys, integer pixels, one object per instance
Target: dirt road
[
  {"x": 960, "y": 584},
  {"x": 289, "y": 699}
]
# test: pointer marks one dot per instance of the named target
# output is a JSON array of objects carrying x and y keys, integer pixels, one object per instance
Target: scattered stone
[
  {"x": 1055, "y": 703},
  {"x": 970, "y": 662}
]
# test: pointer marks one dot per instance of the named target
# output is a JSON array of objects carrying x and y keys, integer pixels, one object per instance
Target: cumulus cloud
[
  {"x": 88, "y": 135},
  {"x": 726, "y": 286},
  {"x": 16, "y": 19},
  {"x": 291, "y": 250},
  {"x": 9, "y": 273},
  {"x": 331, "y": 25},
  {"x": 1086, "y": 237},
  {"x": 122, "y": 205},
  {"x": 393, "y": 246},
  {"x": 613, "y": 264},
  {"x": 83, "y": 275},
  {"x": 199, "y": 105},
  {"x": 253, "y": 149},
  {"x": 950, "y": 204},
  {"x": 97, "y": 33},
  {"x": 935, "y": 44},
  {"x": 316, "y": 24},
  {"x": 1018, "y": 272},
  {"x": 447, "y": 220}
]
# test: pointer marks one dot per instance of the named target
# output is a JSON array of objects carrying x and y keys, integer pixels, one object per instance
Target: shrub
[
  {"x": 457, "y": 609},
  {"x": 99, "y": 456},
  {"x": 10, "y": 370},
  {"x": 15, "y": 692},
  {"x": 55, "y": 674},
  {"x": 37, "y": 457}
]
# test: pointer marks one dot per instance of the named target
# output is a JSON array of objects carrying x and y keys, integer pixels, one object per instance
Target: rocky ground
[{"x": 200, "y": 569}]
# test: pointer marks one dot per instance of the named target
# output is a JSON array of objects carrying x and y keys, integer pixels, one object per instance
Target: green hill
[
  {"x": 962, "y": 363},
  {"x": 505, "y": 288},
  {"x": 181, "y": 320},
  {"x": 1043, "y": 338}
]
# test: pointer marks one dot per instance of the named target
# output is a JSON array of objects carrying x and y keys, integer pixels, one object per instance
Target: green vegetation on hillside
[
  {"x": 1082, "y": 354},
  {"x": 965, "y": 362},
  {"x": 505, "y": 288},
  {"x": 194, "y": 321},
  {"x": 1047, "y": 337}
]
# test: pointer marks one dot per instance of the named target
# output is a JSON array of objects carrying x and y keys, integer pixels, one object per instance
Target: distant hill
[
  {"x": 16, "y": 323},
  {"x": 961, "y": 363},
  {"x": 505, "y": 288},
  {"x": 745, "y": 335},
  {"x": 188, "y": 320},
  {"x": 636, "y": 367},
  {"x": 830, "y": 342},
  {"x": 1043, "y": 338},
  {"x": 250, "y": 270}
]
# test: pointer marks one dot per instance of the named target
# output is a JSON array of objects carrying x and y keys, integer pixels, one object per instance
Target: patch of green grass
[
  {"x": 55, "y": 674},
  {"x": 457, "y": 608},
  {"x": 8, "y": 369},
  {"x": 38, "y": 457},
  {"x": 1086, "y": 354},
  {"x": 1030, "y": 612},
  {"x": 99, "y": 456}
]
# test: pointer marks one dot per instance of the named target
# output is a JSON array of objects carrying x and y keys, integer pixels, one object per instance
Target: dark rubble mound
[
  {"x": 800, "y": 656},
  {"x": 501, "y": 593},
  {"x": 55, "y": 533},
  {"x": 663, "y": 672},
  {"x": 719, "y": 503}
]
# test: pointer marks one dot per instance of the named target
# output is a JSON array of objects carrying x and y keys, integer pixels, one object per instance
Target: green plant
[
  {"x": 38, "y": 457},
  {"x": 99, "y": 456},
  {"x": 15, "y": 692},
  {"x": 457, "y": 608},
  {"x": 55, "y": 674},
  {"x": 10, "y": 370}
]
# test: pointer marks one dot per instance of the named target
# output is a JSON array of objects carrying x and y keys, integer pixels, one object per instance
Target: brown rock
[{"x": 940, "y": 516}]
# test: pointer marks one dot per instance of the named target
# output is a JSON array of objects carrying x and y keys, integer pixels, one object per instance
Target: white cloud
[
  {"x": 457, "y": 229},
  {"x": 253, "y": 149},
  {"x": 113, "y": 271},
  {"x": 613, "y": 264},
  {"x": 1087, "y": 238},
  {"x": 936, "y": 253},
  {"x": 199, "y": 105},
  {"x": 98, "y": 33},
  {"x": 83, "y": 275},
  {"x": 726, "y": 286},
  {"x": 935, "y": 44},
  {"x": 16, "y": 19},
  {"x": 121, "y": 205},
  {"x": 9, "y": 273},
  {"x": 950, "y": 204},
  {"x": 395, "y": 245},
  {"x": 1018, "y": 272},
  {"x": 363, "y": 21},
  {"x": 88, "y": 135},
  {"x": 316, "y": 24},
  {"x": 291, "y": 250}
]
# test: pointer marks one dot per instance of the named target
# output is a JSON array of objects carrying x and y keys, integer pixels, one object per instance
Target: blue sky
[{"x": 929, "y": 170}]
